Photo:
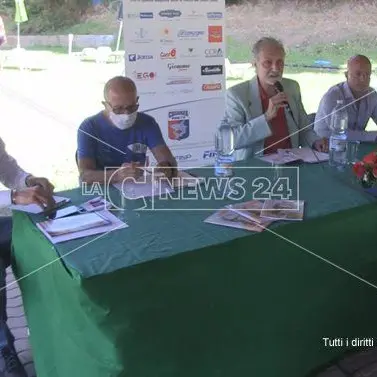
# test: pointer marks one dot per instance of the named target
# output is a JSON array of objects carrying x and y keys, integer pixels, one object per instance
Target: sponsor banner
[{"x": 175, "y": 53}]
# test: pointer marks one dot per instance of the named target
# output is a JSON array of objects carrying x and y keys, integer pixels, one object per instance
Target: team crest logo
[{"x": 178, "y": 125}]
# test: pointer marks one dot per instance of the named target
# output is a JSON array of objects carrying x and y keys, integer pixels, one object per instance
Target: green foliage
[{"x": 46, "y": 15}]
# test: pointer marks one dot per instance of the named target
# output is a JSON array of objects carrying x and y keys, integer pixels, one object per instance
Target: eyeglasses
[
  {"x": 361, "y": 75},
  {"x": 124, "y": 109}
]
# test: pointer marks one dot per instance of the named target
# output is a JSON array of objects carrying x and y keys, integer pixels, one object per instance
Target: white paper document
[
  {"x": 286, "y": 156},
  {"x": 309, "y": 155},
  {"x": 137, "y": 190},
  {"x": 79, "y": 226},
  {"x": 35, "y": 208}
]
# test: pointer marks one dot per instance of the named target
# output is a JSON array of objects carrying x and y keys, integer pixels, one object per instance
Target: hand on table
[
  {"x": 322, "y": 145},
  {"x": 34, "y": 195},
  {"x": 128, "y": 170},
  {"x": 167, "y": 170}
]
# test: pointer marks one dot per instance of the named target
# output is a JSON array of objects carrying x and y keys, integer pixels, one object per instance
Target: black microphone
[{"x": 279, "y": 87}]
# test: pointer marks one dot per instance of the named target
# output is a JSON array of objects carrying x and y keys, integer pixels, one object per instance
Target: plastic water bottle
[
  {"x": 224, "y": 144},
  {"x": 338, "y": 137}
]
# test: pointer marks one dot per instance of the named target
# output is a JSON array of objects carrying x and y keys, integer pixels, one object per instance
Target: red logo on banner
[
  {"x": 215, "y": 34},
  {"x": 210, "y": 87},
  {"x": 178, "y": 125},
  {"x": 171, "y": 54},
  {"x": 145, "y": 75}
]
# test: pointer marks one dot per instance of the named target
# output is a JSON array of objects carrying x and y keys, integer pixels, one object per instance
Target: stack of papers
[
  {"x": 229, "y": 218},
  {"x": 286, "y": 156},
  {"x": 283, "y": 210},
  {"x": 256, "y": 215},
  {"x": 78, "y": 226},
  {"x": 73, "y": 224}
]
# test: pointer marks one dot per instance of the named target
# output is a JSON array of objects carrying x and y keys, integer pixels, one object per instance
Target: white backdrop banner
[{"x": 175, "y": 53}]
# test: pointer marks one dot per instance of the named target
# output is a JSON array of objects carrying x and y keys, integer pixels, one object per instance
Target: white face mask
[{"x": 123, "y": 121}]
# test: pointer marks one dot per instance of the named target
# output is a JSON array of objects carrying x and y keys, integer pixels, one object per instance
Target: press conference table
[{"x": 172, "y": 296}]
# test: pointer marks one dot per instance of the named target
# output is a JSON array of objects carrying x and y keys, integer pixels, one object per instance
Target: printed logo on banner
[
  {"x": 170, "y": 13},
  {"x": 194, "y": 15},
  {"x": 214, "y": 15},
  {"x": 141, "y": 35},
  {"x": 179, "y": 80},
  {"x": 178, "y": 124},
  {"x": 189, "y": 53},
  {"x": 207, "y": 70},
  {"x": 190, "y": 34},
  {"x": 215, "y": 34},
  {"x": 213, "y": 53},
  {"x": 166, "y": 36},
  {"x": 144, "y": 15},
  {"x": 141, "y": 15},
  {"x": 179, "y": 67},
  {"x": 184, "y": 157},
  {"x": 144, "y": 76},
  {"x": 170, "y": 54},
  {"x": 135, "y": 57},
  {"x": 209, "y": 154},
  {"x": 177, "y": 92},
  {"x": 211, "y": 87}
]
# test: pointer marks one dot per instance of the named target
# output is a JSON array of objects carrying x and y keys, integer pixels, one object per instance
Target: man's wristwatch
[{"x": 13, "y": 196}]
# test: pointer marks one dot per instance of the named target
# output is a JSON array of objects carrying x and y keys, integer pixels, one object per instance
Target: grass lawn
[{"x": 336, "y": 53}]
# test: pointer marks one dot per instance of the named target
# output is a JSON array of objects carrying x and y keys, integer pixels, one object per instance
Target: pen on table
[{"x": 96, "y": 200}]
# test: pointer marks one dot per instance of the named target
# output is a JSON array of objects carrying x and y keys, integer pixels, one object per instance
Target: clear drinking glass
[{"x": 352, "y": 151}]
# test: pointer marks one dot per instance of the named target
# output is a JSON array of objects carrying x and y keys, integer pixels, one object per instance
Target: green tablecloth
[{"x": 172, "y": 296}]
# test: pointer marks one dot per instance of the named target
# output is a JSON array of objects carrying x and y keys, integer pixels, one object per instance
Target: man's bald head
[
  {"x": 119, "y": 84},
  {"x": 359, "y": 69},
  {"x": 358, "y": 60},
  {"x": 121, "y": 95}
]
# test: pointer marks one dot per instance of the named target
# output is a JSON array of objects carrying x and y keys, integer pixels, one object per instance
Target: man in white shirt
[
  {"x": 25, "y": 189},
  {"x": 359, "y": 98}
]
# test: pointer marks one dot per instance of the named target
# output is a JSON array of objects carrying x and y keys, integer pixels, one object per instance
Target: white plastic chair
[{"x": 103, "y": 54}]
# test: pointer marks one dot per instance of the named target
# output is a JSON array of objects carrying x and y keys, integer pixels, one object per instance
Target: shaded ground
[{"x": 18, "y": 325}]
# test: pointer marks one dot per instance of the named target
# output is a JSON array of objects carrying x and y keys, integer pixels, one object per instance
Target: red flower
[
  {"x": 359, "y": 169},
  {"x": 370, "y": 158}
]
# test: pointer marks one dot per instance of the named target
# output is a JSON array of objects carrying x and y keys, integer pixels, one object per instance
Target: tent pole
[
  {"x": 119, "y": 34},
  {"x": 18, "y": 35}
]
